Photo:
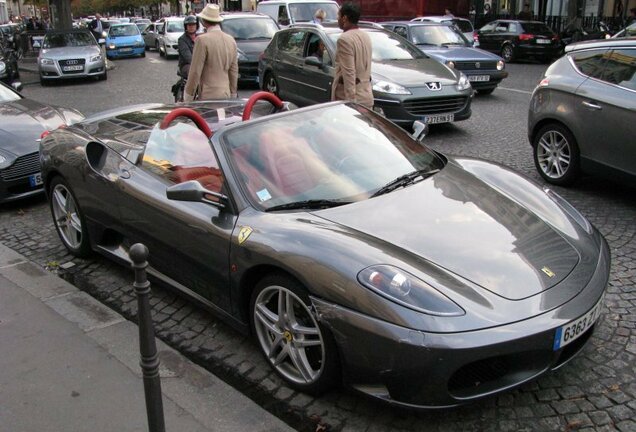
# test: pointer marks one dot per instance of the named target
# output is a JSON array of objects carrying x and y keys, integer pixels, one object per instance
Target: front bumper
[
  {"x": 417, "y": 369},
  {"x": 172, "y": 49},
  {"x": 18, "y": 180},
  {"x": 54, "y": 71},
  {"x": 495, "y": 77},
  {"x": 423, "y": 103},
  {"x": 248, "y": 71},
  {"x": 125, "y": 52}
]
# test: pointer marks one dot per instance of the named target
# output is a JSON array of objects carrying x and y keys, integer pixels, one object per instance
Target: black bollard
[{"x": 149, "y": 358}]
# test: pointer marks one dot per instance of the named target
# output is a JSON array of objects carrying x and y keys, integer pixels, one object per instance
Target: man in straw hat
[{"x": 214, "y": 68}]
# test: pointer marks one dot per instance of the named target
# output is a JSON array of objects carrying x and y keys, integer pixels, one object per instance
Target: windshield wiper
[
  {"x": 309, "y": 204},
  {"x": 404, "y": 180}
]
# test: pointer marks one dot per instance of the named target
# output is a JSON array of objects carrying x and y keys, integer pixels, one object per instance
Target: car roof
[
  {"x": 440, "y": 18},
  {"x": 601, "y": 43},
  {"x": 235, "y": 15},
  {"x": 295, "y": 1},
  {"x": 417, "y": 23}
]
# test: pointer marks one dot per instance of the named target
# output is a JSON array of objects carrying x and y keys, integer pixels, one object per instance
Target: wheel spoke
[
  {"x": 304, "y": 343},
  {"x": 282, "y": 355},
  {"x": 304, "y": 330},
  {"x": 268, "y": 319},
  {"x": 60, "y": 200},
  {"x": 289, "y": 310},
  {"x": 302, "y": 364},
  {"x": 75, "y": 223}
]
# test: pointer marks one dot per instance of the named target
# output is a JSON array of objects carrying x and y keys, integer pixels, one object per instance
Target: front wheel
[
  {"x": 271, "y": 85},
  {"x": 68, "y": 218},
  {"x": 485, "y": 91},
  {"x": 299, "y": 349},
  {"x": 507, "y": 53},
  {"x": 556, "y": 154}
]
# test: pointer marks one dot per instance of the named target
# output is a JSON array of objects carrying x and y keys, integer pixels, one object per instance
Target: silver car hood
[
  {"x": 413, "y": 73},
  {"x": 70, "y": 52},
  {"x": 462, "y": 224}
]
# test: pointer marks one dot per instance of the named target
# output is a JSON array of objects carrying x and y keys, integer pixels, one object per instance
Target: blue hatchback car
[{"x": 124, "y": 40}]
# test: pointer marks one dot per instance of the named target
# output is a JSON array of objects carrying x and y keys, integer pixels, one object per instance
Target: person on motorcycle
[{"x": 186, "y": 44}]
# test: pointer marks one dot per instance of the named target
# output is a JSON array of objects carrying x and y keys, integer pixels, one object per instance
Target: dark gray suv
[
  {"x": 583, "y": 113},
  {"x": 408, "y": 85}
]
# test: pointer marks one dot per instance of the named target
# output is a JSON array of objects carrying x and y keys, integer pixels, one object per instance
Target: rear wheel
[
  {"x": 68, "y": 218},
  {"x": 507, "y": 53},
  {"x": 299, "y": 349},
  {"x": 556, "y": 154}
]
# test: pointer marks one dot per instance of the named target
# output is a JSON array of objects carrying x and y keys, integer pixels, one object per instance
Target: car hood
[
  {"x": 458, "y": 53},
  {"x": 462, "y": 224},
  {"x": 22, "y": 122},
  {"x": 413, "y": 73},
  {"x": 122, "y": 40},
  {"x": 70, "y": 52},
  {"x": 252, "y": 48}
]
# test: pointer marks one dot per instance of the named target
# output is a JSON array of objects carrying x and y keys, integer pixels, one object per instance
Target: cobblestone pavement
[{"x": 596, "y": 391}]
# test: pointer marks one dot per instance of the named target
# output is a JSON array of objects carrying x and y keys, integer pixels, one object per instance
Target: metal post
[{"x": 149, "y": 358}]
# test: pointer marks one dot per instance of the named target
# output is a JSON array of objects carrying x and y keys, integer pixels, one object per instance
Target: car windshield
[
  {"x": 387, "y": 46},
  {"x": 463, "y": 25},
  {"x": 8, "y": 95},
  {"x": 142, "y": 26},
  {"x": 250, "y": 28},
  {"x": 123, "y": 30},
  {"x": 61, "y": 40},
  {"x": 331, "y": 155},
  {"x": 306, "y": 11},
  {"x": 537, "y": 28},
  {"x": 175, "y": 27},
  {"x": 437, "y": 35}
]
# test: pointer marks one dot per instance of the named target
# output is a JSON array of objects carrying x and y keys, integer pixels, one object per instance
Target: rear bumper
[{"x": 538, "y": 51}]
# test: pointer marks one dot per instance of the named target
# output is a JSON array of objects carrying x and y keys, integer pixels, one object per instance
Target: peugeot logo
[
  {"x": 72, "y": 62},
  {"x": 434, "y": 86},
  {"x": 477, "y": 65}
]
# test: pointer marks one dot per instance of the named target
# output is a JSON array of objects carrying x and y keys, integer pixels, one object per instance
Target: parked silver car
[
  {"x": 151, "y": 35},
  {"x": 583, "y": 113},
  {"x": 70, "y": 54},
  {"x": 169, "y": 34}
]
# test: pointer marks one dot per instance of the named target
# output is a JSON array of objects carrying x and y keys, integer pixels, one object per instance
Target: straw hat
[{"x": 211, "y": 12}]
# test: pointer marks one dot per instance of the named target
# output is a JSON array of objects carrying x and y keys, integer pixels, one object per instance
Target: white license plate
[
  {"x": 125, "y": 49},
  {"x": 73, "y": 68},
  {"x": 440, "y": 118},
  {"x": 543, "y": 41},
  {"x": 479, "y": 78},
  {"x": 35, "y": 179},
  {"x": 572, "y": 330}
]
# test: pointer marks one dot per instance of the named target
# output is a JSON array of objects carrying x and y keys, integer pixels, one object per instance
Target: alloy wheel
[
  {"x": 507, "y": 53},
  {"x": 67, "y": 217},
  {"x": 271, "y": 85},
  {"x": 289, "y": 335},
  {"x": 553, "y": 154}
]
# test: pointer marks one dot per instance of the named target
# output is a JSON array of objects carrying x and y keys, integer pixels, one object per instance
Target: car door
[
  {"x": 486, "y": 37},
  {"x": 289, "y": 64},
  {"x": 314, "y": 81},
  {"x": 606, "y": 109},
  {"x": 149, "y": 35},
  {"x": 500, "y": 35},
  {"x": 188, "y": 241}
]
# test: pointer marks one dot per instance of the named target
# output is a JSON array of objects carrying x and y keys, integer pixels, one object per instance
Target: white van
[{"x": 287, "y": 12}]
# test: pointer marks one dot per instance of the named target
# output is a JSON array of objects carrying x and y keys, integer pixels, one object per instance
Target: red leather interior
[{"x": 210, "y": 178}]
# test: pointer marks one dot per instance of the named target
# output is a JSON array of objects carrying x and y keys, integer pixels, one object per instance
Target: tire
[
  {"x": 68, "y": 218},
  {"x": 143, "y": 54},
  {"x": 306, "y": 359},
  {"x": 556, "y": 154},
  {"x": 103, "y": 77},
  {"x": 485, "y": 91},
  {"x": 44, "y": 82},
  {"x": 270, "y": 84},
  {"x": 507, "y": 53}
]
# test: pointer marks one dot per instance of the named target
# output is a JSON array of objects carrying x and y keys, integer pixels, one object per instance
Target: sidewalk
[{"x": 70, "y": 363}]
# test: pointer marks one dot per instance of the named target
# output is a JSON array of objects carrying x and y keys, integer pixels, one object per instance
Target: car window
[
  {"x": 60, "y": 40},
  {"x": 305, "y": 11},
  {"x": 316, "y": 47},
  {"x": 463, "y": 25},
  {"x": 401, "y": 30},
  {"x": 387, "y": 46},
  {"x": 283, "y": 18},
  {"x": 8, "y": 95},
  {"x": 620, "y": 68},
  {"x": 537, "y": 28},
  {"x": 182, "y": 153},
  {"x": 513, "y": 28},
  {"x": 293, "y": 43},
  {"x": 488, "y": 27},
  {"x": 590, "y": 63},
  {"x": 175, "y": 27},
  {"x": 437, "y": 35},
  {"x": 123, "y": 30},
  {"x": 250, "y": 28},
  {"x": 267, "y": 9},
  {"x": 501, "y": 28}
]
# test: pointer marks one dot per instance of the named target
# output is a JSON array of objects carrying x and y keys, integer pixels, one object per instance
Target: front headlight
[
  {"x": 111, "y": 46},
  {"x": 407, "y": 290},
  {"x": 140, "y": 43},
  {"x": 6, "y": 160},
  {"x": 463, "y": 83},
  {"x": 95, "y": 58},
  {"x": 389, "y": 87},
  {"x": 3, "y": 67},
  {"x": 500, "y": 65},
  {"x": 450, "y": 64},
  {"x": 45, "y": 61}
]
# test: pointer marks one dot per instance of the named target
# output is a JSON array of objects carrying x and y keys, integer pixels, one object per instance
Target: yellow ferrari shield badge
[
  {"x": 244, "y": 233},
  {"x": 547, "y": 271}
]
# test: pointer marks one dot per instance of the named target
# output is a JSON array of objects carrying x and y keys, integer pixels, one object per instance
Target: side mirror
[
  {"x": 313, "y": 61},
  {"x": 17, "y": 85},
  {"x": 420, "y": 130},
  {"x": 193, "y": 191}
]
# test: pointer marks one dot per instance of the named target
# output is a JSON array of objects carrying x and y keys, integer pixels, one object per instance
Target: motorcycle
[
  {"x": 575, "y": 33},
  {"x": 178, "y": 89}
]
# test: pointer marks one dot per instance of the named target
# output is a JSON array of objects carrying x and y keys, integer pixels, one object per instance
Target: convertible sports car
[
  {"x": 22, "y": 121},
  {"x": 343, "y": 244}
]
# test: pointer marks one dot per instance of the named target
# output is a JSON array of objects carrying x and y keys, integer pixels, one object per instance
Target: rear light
[
  {"x": 44, "y": 134},
  {"x": 475, "y": 36},
  {"x": 544, "y": 82},
  {"x": 526, "y": 36}
]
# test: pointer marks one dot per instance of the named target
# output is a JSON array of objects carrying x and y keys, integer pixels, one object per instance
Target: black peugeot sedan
[
  {"x": 408, "y": 85},
  {"x": 520, "y": 40},
  {"x": 447, "y": 44}
]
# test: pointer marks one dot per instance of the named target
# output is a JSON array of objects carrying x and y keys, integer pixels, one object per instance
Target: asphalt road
[{"x": 596, "y": 391}]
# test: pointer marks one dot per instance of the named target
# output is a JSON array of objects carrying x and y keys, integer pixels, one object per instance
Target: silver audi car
[{"x": 70, "y": 54}]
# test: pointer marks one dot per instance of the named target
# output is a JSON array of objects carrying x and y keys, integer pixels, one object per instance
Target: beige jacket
[
  {"x": 214, "y": 67},
  {"x": 352, "y": 79}
]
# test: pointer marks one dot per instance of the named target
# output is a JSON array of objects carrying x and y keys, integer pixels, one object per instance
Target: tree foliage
[{"x": 90, "y": 7}]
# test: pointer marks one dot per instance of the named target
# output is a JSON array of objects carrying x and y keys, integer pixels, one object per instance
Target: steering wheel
[
  {"x": 189, "y": 113},
  {"x": 269, "y": 97}
]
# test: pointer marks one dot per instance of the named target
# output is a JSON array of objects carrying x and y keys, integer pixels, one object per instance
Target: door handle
[{"x": 592, "y": 105}]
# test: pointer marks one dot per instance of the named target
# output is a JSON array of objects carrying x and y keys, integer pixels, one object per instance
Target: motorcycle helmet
[{"x": 190, "y": 19}]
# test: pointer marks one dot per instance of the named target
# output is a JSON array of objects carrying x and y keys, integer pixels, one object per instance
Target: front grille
[
  {"x": 22, "y": 167},
  {"x": 418, "y": 107},
  {"x": 248, "y": 69},
  {"x": 71, "y": 63},
  {"x": 471, "y": 65}
]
